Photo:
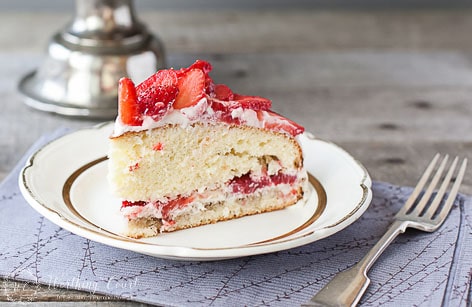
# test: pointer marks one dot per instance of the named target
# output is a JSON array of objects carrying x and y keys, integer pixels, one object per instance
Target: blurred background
[{"x": 248, "y": 4}]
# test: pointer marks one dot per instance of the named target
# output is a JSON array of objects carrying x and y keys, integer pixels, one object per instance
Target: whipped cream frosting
[{"x": 202, "y": 112}]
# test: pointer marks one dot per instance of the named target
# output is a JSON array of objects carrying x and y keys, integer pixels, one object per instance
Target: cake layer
[
  {"x": 175, "y": 161},
  {"x": 212, "y": 212}
]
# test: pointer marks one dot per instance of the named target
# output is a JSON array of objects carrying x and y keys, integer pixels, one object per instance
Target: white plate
[{"x": 65, "y": 181}]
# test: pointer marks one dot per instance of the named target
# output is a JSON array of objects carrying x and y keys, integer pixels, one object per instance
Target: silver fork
[{"x": 347, "y": 287}]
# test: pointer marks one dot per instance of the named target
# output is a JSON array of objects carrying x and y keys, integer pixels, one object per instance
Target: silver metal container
[{"x": 85, "y": 60}]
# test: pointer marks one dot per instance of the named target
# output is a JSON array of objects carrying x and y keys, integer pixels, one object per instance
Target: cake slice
[{"x": 187, "y": 152}]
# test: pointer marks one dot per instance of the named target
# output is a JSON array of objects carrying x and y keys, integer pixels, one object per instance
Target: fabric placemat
[{"x": 418, "y": 269}]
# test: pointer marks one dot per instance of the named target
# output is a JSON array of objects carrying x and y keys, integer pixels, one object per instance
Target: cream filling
[
  {"x": 204, "y": 198},
  {"x": 151, "y": 211}
]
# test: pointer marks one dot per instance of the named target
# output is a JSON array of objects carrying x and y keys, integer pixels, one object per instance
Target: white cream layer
[
  {"x": 202, "y": 112},
  {"x": 151, "y": 210}
]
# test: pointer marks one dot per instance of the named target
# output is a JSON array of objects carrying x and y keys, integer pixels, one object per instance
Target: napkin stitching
[
  {"x": 448, "y": 291},
  {"x": 399, "y": 283},
  {"x": 465, "y": 218},
  {"x": 87, "y": 260}
]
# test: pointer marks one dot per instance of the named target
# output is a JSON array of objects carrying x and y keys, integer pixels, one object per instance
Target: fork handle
[{"x": 347, "y": 287}]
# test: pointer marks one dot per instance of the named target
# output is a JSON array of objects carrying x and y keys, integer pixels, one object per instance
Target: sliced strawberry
[
  {"x": 128, "y": 108},
  {"x": 223, "y": 110},
  {"x": 191, "y": 89},
  {"x": 165, "y": 77},
  {"x": 246, "y": 185},
  {"x": 205, "y": 67},
  {"x": 202, "y": 65},
  {"x": 219, "y": 105},
  {"x": 274, "y": 121},
  {"x": 255, "y": 103},
  {"x": 209, "y": 85},
  {"x": 127, "y": 203},
  {"x": 223, "y": 92},
  {"x": 157, "y": 93}
]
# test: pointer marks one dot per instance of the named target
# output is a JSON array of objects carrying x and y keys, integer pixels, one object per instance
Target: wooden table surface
[{"x": 391, "y": 87}]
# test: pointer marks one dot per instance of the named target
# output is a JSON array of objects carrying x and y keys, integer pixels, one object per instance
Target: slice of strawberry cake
[{"x": 187, "y": 152}]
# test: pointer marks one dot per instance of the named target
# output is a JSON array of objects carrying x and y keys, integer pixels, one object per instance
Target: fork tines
[{"x": 435, "y": 208}]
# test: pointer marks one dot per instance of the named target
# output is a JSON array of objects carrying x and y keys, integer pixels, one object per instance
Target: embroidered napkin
[{"x": 418, "y": 269}]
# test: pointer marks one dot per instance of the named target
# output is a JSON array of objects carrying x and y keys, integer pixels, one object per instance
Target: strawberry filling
[
  {"x": 243, "y": 184},
  {"x": 166, "y": 208},
  {"x": 247, "y": 185}
]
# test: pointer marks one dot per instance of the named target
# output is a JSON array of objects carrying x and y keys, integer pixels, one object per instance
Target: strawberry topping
[
  {"x": 128, "y": 108},
  {"x": 156, "y": 94},
  {"x": 177, "y": 89},
  {"x": 205, "y": 67},
  {"x": 223, "y": 92},
  {"x": 191, "y": 89},
  {"x": 224, "y": 109},
  {"x": 255, "y": 103},
  {"x": 280, "y": 123}
]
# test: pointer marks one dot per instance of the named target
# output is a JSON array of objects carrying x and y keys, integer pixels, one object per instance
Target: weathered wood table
[{"x": 392, "y": 88}]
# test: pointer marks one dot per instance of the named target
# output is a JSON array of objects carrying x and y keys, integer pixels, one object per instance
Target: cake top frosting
[{"x": 189, "y": 95}]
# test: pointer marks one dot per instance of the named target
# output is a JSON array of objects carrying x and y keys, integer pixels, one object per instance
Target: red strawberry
[
  {"x": 157, "y": 93},
  {"x": 255, "y": 103},
  {"x": 223, "y": 110},
  {"x": 191, "y": 89},
  {"x": 279, "y": 123},
  {"x": 128, "y": 108},
  {"x": 209, "y": 85},
  {"x": 223, "y": 92},
  {"x": 205, "y": 67},
  {"x": 165, "y": 77},
  {"x": 202, "y": 65},
  {"x": 127, "y": 203}
]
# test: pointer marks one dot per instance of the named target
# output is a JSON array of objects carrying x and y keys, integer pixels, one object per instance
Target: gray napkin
[{"x": 419, "y": 269}]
